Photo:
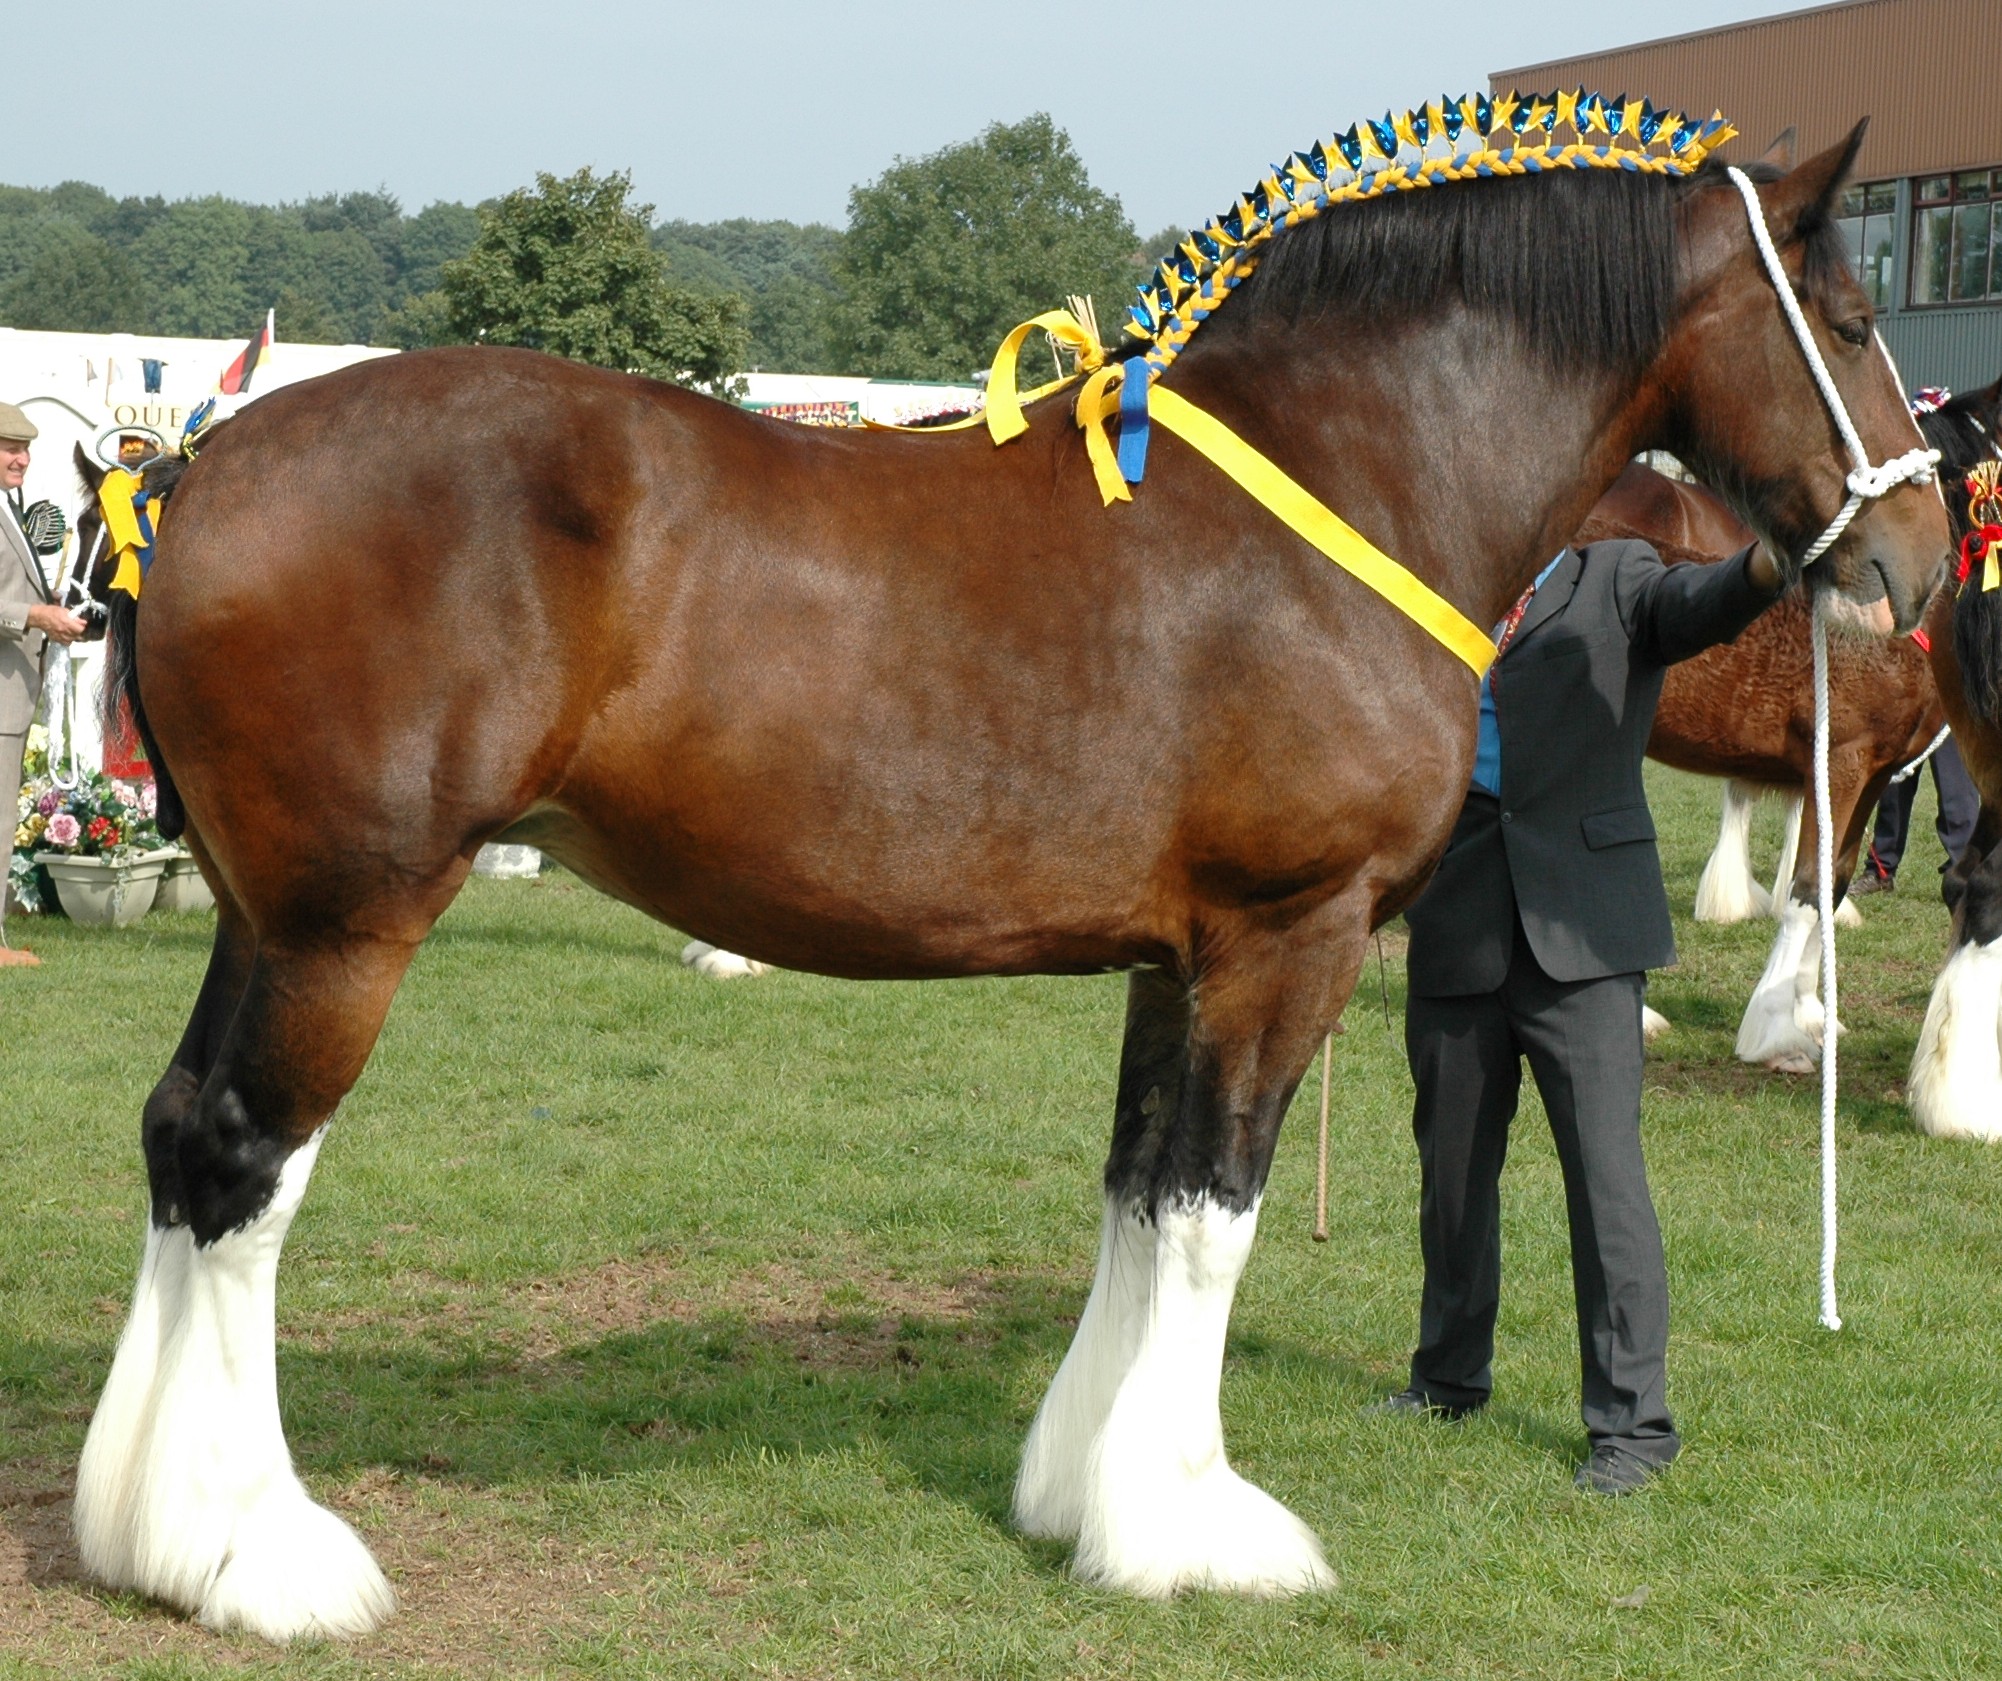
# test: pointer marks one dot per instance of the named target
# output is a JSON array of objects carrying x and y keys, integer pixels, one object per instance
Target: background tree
[
  {"x": 783, "y": 270},
  {"x": 569, "y": 268},
  {"x": 74, "y": 282},
  {"x": 943, "y": 254}
]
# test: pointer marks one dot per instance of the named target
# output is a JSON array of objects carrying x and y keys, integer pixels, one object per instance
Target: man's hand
[
  {"x": 1763, "y": 570},
  {"x": 58, "y": 623}
]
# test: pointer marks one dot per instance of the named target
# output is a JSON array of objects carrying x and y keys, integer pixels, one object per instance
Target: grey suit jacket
[
  {"x": 21, "y": 649},
  {"x": 1569, "y": 844}
]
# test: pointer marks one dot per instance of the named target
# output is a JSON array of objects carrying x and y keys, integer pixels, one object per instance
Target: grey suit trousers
[
  {"x": 13, "y": 748},
  {"x": 1583, "y": 1043}
]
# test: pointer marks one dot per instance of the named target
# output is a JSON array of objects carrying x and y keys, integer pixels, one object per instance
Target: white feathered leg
[
  {"x": 1955, "y": 1089},
  {"x": 1160, "y": 1507},
  {"x": 1727, "y": 891},
  {"x": 717, "y": 964},
  {"x": 1056, "y": 1459},
  {"x": 1783, "y": 1026},
  {"x": 186, "y": 1490}
]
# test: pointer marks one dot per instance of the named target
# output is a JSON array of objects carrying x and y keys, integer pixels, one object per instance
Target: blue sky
[{"x": 737, "y": 107}]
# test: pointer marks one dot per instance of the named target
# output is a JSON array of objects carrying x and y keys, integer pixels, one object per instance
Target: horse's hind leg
[
  {"x": 1727, "y": 891},
  {"x": 1126, "y": 1454},
  {"x": 186, "y": 1491},
  {"x": 1955, "y": 1089}
]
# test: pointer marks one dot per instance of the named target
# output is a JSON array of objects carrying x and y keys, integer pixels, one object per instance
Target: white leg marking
[
  {"x": 1653, "y": 1024},
  {"x": 1782, "y": 893},
  {"x": 717, "y": 964},
  {"x": 1050, "y": 1488},
  {"x": 1161, "y": 1509},
  {"x": 1782, "y": 1025},
  {"x": 1727, "y": 892},
  {"x": 1955, "y": 1088},
  {"x": 1847, "y": 915},
  {"x": 186, "y": 1490}
]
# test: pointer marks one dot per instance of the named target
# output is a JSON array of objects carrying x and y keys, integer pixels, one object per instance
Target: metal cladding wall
[
  {"x": 1957, "y": 348},
  {"x": 1927, "y": 73}
]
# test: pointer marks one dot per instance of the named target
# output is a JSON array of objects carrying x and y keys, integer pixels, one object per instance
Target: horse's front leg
[
  {"x": 1783, "y": 1026},
  {"x": 1126, "y": 1454}
]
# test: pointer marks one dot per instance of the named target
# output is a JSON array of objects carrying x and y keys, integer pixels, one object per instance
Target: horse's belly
[{"x": 933, "y": 912}]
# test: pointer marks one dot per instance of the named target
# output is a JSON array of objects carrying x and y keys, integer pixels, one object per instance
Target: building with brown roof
[{"x": 1923, "y": 215}]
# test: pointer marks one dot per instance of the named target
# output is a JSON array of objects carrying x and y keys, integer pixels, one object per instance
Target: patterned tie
[{"x": 1511, "y": 621}]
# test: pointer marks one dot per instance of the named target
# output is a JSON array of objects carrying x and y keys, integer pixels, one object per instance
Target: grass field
[{"x": 650, "y": 1326}]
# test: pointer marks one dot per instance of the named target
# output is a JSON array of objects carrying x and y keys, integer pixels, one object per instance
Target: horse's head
[
  {"x": 159, "y": 476},
  {"x": 1966, "y": 430},
  {"x": 1741, "y": 400},
  {"x": 93, "y": 553}
]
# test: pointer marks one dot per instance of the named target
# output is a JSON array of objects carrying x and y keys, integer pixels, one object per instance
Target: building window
[
  {"x": 1956, "y": 227},
  {"x": 1865, "y": 225}
]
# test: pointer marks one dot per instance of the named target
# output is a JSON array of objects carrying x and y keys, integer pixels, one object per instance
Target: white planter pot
[
  {"x": 507, "y": 862},
  {"x": 104, "y": 892},
  {"x": 182, "y": 887}
]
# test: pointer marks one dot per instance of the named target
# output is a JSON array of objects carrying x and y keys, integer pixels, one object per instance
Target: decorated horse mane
[
  {"x": 1472, "y": 138},
  {"x": 1967, "y": 432}
]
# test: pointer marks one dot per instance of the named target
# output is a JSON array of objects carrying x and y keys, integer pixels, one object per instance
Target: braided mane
[{"x": 1450, "y": 140}]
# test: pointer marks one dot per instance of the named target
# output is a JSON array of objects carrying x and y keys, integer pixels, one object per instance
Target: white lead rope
[
  {"x": 1824, "y": 863},
  {"x": 1912, "y": 769},
  {"x": 1865, "y": 483}
]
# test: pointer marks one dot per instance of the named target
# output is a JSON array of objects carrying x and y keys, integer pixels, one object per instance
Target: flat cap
[{"x": 15, "y": 426}]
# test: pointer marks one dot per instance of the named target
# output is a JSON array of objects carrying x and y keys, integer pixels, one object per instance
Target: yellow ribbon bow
[{"x": 121, "y": 526}]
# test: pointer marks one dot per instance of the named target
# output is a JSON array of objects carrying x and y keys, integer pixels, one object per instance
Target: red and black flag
[{"x": 236, "y": 377}]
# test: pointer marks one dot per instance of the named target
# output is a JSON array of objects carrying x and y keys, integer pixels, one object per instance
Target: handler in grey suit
[
  {"x": 1532, "y": 940},
  {"x": 29, "y": 620}
]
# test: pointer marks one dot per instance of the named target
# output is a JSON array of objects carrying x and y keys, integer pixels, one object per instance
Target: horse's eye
[{"x": 1856, "y": 332}]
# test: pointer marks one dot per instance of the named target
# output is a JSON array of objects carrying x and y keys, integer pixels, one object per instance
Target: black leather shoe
[
  {"x": 1613, "y": 1470},
  {"x": 1869, "y": 881},
  {"x": 1413, "y": 1403}
]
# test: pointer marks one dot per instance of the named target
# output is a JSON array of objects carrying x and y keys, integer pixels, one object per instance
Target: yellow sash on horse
[{"x": 1289, "y": 501}]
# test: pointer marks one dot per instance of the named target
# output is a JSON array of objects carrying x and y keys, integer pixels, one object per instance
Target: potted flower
[{"x": 100, "y": 846}]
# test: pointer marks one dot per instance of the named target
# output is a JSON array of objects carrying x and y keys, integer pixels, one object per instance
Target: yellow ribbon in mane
[
  {"x": 115, "y": 506},
  {"x": 1284, "y": 497}
]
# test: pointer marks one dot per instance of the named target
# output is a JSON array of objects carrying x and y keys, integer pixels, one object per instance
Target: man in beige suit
[{"x": 29, "y": 621}]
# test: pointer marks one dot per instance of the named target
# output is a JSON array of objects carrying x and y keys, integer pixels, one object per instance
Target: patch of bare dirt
[
  {"x": 852, "y": 1319},
  {"x": 474, "y": 1594}
]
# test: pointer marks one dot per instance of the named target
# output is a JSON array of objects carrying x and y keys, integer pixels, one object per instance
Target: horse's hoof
[
  {"x": 1792, "y": 1062},
  {"x": 1215, "y": 1532},
  {"x": 297, "y": 1572},
  {"x": 1653, "y": 1024},
  {"x": 717, "y": 964}
]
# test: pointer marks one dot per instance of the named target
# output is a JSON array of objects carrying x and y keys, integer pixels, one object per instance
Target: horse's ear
[
  {"x": 1990, "y": 403},
  {"x": 88, "y": 473},
  {"x": 1803, "y": 197},
  {"x": 1780, "y": 154}
]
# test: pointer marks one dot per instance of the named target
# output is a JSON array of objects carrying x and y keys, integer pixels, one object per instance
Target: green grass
[{"x": 649, "y": 1326}]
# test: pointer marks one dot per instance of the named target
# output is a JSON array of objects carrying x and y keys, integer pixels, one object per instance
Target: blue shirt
[{"x": 1488, "y": 748}]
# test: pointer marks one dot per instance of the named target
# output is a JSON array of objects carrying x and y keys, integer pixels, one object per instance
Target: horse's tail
[
  {"x": 1977, "y": 644},
  {"x": 122, "y": 684}
]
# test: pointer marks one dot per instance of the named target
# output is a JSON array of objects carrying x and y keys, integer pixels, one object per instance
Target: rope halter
[{"x": 1866, "y": 483}]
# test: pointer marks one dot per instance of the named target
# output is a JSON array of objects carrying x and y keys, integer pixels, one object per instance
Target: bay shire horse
[
  {"x": 1955, "y": 1088},
  {"x": 890, "y": 706},
  {"x": 1745, "y": 710}
]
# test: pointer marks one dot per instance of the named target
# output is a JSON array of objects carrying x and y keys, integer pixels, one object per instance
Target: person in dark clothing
[
  {"x": 1959, "y": 806},
  {"x": 1533, "y": 940}
]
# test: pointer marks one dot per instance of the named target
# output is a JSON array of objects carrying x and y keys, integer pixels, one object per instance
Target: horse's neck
[{"x": 1462, "y": 457}]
